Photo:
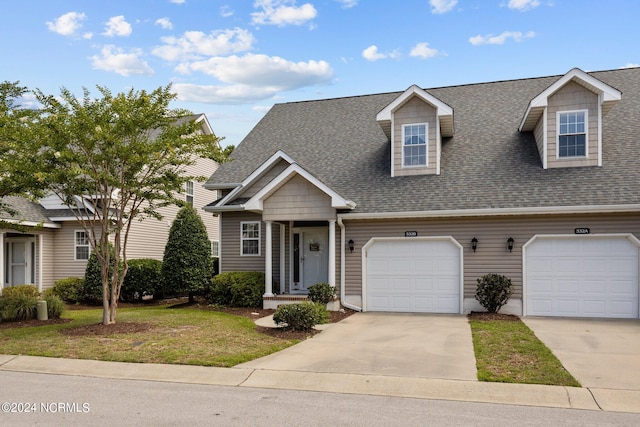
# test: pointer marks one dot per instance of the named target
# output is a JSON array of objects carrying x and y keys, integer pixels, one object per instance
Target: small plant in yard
[
  {"x": 69, "y": 289},
  {"x": 55, "y": 306},
  {"x": 236, "y": 288},
  {"x": 302, "y": 316},
  {"x": 322, "y": 293},
  {"x": 493, "y": 291},
  {"x": 19, "y": 302}
]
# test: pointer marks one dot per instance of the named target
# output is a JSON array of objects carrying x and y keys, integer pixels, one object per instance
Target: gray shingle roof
[
  {"x": 486, "y": 164},
  {"x": 25, "y": 210}
]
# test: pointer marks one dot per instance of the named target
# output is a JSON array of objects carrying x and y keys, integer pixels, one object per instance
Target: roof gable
[{"x": 608, "y": 96}]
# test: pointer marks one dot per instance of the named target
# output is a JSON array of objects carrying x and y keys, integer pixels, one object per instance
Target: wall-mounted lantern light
[
  {"x": 351, "y": 245},
  {"x": 474, "y": 244},
  {"x": 510, "y": 244}
]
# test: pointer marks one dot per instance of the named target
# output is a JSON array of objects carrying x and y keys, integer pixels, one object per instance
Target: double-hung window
[
  {"x": 188, "y": 191},
  {"x": 414, "y": 144},
  {"x": 572, "y": 134},
  {"x": 250, "y": 238},
  {"x": 215, "y": 248},
  {"x": 81, "y": 246}
]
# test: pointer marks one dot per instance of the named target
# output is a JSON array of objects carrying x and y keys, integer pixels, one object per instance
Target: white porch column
[
  {"x": 332, "y": 253},
  {"x": 282, "y": 256},
  {"x": 40, "y": 260},
  {"x": 2, "y": 266},
  {"x": 268, "y": 261}
]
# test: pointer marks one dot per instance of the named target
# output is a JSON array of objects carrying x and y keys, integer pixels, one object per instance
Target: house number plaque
[
  {"x": 582, "y": 231},
  {"x": 410, "y": 234}
]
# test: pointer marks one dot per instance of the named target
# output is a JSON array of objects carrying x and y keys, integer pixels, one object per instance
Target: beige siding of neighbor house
[
  {"x": 414, "y": 111},
  {"x": 232, "y": 260},
  {"x": 492, "y": 255},
  {"x": 47, "y": 237},
  {"x": 63, "y": 252},
  {"x": 298, "y": 200},
  {"x": 573, "y": 97},
  {"x": 148, "y": 238}
]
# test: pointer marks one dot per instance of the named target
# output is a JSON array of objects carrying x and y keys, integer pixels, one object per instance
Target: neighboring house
[
  {"x": 53, "y": 244},
  {"x": 403, "y": 200}
]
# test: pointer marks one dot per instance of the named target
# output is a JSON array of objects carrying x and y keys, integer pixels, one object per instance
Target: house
[
  {"x": 51, "y": 244},
  {"x": 403, "y": 200}
]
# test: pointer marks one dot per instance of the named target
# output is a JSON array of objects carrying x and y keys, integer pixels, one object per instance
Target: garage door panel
[
  {"x": 588, "y": 277},
  {"x": 416, "y": 276}
]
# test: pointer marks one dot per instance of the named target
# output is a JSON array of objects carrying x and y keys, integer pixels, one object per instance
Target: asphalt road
[{"x": 44, "y": 399}]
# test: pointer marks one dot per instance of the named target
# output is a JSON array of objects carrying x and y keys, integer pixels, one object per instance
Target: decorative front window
[
  {"x": 414, "y": 145},
  {"x": 572, "y": 134},
  {"x": 250, "y": 238},
  {"x": 188, "y": 191},
  {"x": 81, "y": 246}
]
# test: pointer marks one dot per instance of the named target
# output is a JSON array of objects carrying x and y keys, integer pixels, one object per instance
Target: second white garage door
[
  {"x": 413, "y": 275},
  {"x": 587, "y": 276}
]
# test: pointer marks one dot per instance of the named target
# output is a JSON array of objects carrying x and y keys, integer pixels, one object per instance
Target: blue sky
[{"x": 232, "y": 60}]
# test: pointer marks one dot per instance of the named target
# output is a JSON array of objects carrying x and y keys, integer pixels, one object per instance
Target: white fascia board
[
  {"x": 204, "y": 122},
  {"x": 276, "y": 157},
  {"x": 337, "y": 201},
  {"x": 551, "y": 210},
  {"x": 442, "y": 109},
  {"x": 229, "y": 208},
  {"x": 32, "y": 223}
]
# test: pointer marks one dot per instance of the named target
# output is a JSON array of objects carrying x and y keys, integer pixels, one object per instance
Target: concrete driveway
[
  {"x": 394, "y": 344},
  {"x": 599, "y": 353}
]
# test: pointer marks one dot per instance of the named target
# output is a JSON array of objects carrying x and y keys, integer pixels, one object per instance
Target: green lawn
[
  {"x": 172, "y": 335},
  {"x": 508, "y": 351}
]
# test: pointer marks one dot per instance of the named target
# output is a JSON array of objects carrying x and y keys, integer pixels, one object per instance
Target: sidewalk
[{"x": 420, "y": 388}]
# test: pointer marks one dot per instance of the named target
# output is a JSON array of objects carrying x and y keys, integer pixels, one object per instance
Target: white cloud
[
  {"x": 211, "y": 94},
  {"x": 422, "y": 50},
  {"x": 165, "y": 23},
  {"x": 372, "y": 54},
  {"x": 117, "y": 26},
  {"x": 178, "y": 1},
  {"x": 442, "y": 6},
  {"x": 348, "y": 4},
  {"x": 282, "y": 12},
  {"x": 196, "y": 44},
  {"x": 116, "y": 60},
  {"x": 226, "y": 11},
  {"x": 523, "y": 5},
  {"x": 67, "y": 24},
  {"x": 630, "y": 65},
  {"x": 516, "y": 36},
  {"x": 262, "y": 72}
]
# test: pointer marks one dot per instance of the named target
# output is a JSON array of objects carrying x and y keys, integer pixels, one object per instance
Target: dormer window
[
  {"x": 572, "y": 134},
  {"x": 414, "y": 148}
]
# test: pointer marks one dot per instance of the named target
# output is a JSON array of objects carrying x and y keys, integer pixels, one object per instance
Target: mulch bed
[
  {"x": 31, "y": 322},
  {"x": 475, "y": 315}
]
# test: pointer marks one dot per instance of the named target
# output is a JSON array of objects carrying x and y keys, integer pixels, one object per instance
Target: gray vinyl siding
[
  {"x": 48, "y": 277},
  {"x": 298, "y": 200},
  {"x": 492, "y": 255},
  {"x": 413, "y": 112},
  {"x": 573, "y": 97}
]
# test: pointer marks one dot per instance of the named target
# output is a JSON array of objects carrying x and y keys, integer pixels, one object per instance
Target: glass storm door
[{"x": 311, "y": 257}]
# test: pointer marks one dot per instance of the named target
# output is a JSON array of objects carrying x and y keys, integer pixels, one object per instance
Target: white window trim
[
  {"x": 191, "y": 193},
  {"x": 76, "y": 246},
  {"x": 242, "y": 239},
  {"x": 426, "y": 145},
  {"x": 215, "y": 244},
  {"x": 586, "y": 135}
]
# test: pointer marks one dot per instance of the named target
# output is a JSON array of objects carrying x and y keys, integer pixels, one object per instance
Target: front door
[
  {"x": 311, "y": 257},
  {"x": 18, "y": 262}
]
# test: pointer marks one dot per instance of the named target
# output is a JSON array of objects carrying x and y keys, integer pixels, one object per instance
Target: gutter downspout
[{"x": 343, "y": 291}]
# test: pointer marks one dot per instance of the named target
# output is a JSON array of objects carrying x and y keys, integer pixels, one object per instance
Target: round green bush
[
  {"x": 493, "y": 291},
  {"x": 143, "y": 278},
  {"x": 236, "y": 289},
  {"x": 69, "y": 289},
  {"x": 322, "y": 293},
  {"x": 92, "y": 287},
  {"x": 301, "y": 316},
  {"x": 14, "y": 291},
  {"x": 55, "y": 306}
]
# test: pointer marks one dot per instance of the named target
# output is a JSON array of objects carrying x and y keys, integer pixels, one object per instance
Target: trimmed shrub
[
  {"x": 19, "y": 307},
  {"x": 237, "y": 289},
  {"x": 322, "y": 293},
  {"x": 69, "y": 289},
  {"x": 301, "y": 316},
  {"x": 15, "y": 291},
  {"x": 144, "y": 277},
  {"x": 493, "y": 291},
  {"x": 55, "y": 306},
  {"x": 187, "y": 264}
]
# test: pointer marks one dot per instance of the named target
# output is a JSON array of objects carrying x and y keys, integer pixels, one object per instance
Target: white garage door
[
  {"x": 413, "y": 275},
  {"x": 586, "y": 276}
]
